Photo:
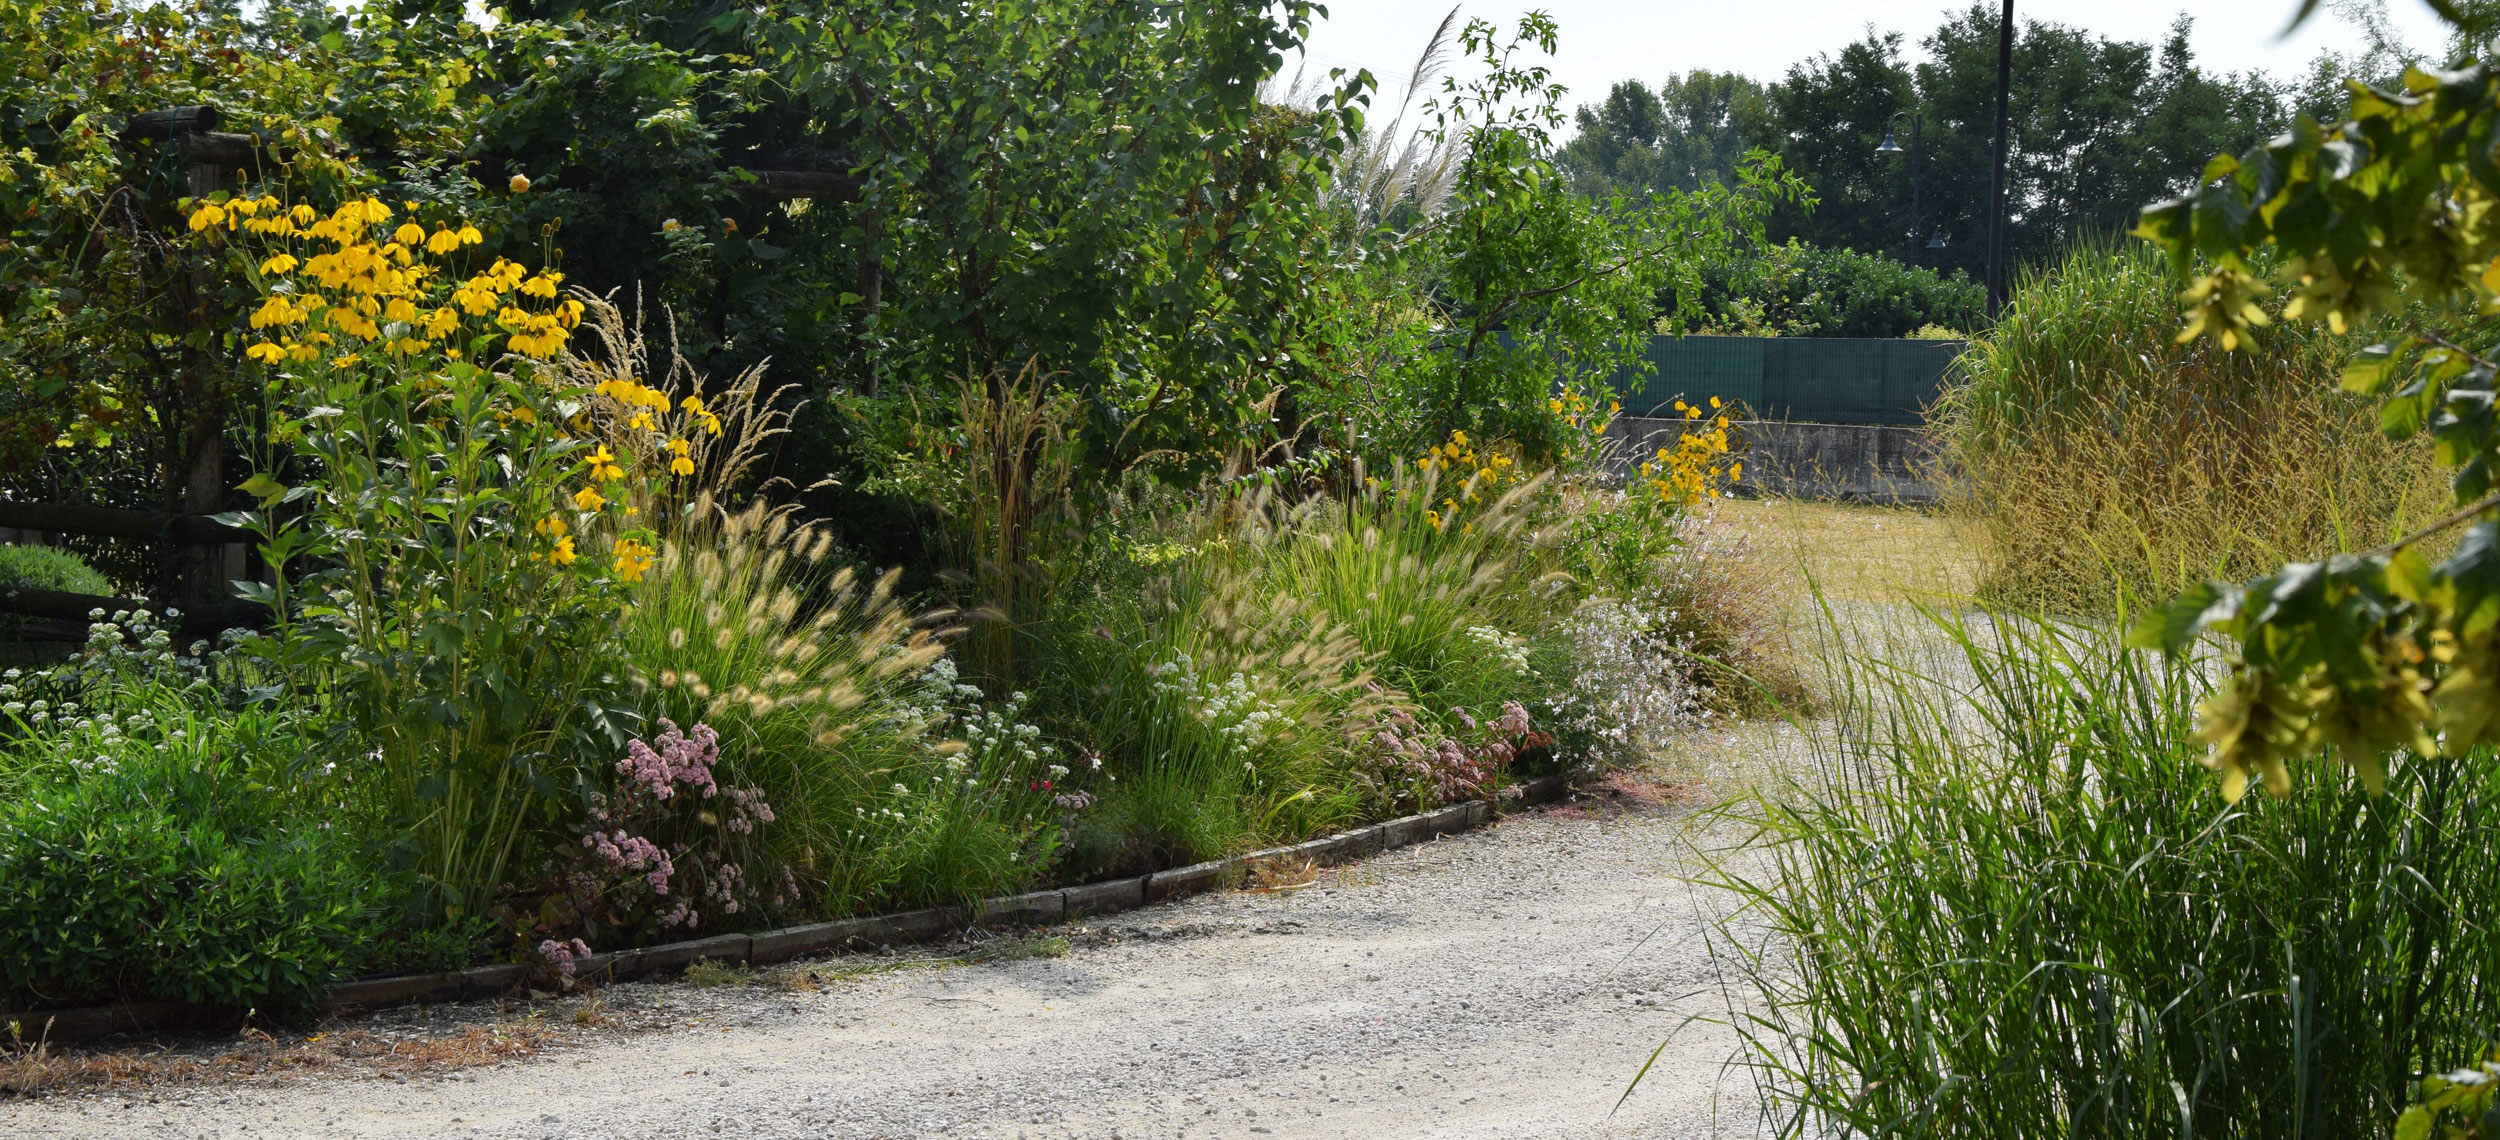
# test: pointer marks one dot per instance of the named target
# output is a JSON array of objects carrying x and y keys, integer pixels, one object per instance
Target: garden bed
[{"x": 71, "y": 1026}]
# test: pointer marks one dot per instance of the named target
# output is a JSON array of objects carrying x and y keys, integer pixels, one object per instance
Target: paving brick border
[{"x": 787, "y": 943}]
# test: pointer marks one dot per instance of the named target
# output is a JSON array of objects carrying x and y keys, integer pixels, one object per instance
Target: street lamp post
[
  {"x": 1996, "y": 193},
  {"x": 1889, "y": 146}
]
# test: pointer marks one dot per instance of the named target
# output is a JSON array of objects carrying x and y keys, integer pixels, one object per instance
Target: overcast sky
[{"x": 1605, "y": 41}]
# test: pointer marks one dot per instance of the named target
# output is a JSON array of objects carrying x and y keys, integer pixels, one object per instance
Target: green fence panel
[
  {"x": 1840, "y": 380},
  {"x": 1698, "y": 367}
]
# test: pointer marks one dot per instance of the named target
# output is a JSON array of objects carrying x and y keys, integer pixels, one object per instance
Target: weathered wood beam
[
  {"x": 62, "y": 606},
  {"x": 210, "y": 148},
  {"x": 171, "y": 122},
  {"x": 107, "y": 522}
]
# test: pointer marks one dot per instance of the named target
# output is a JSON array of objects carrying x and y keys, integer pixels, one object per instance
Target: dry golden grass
[
  {"x": 2109, "y": 465},
  {"x": 1853, "y": 552}
]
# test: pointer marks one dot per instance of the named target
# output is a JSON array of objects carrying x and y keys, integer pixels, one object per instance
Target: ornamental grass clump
[
  {"x": 2097, "y": 454},
  {"x": 1214, "y": 700},
  {"x": 834, "y": 699},
  {"x": 1999, "y": 903}
]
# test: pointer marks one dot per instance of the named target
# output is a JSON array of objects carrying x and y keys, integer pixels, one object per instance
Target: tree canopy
[{"x": 2099, "y": 125}]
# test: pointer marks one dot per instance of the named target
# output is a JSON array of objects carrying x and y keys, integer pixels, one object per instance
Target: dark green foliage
[
  {"x": 156, "y": 879},
  {"x": 1799, "y": 290},
  {"x": 2099, "y": 126}
]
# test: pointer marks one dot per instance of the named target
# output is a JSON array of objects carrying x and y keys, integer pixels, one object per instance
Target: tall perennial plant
[{"x": 468, "y": 548}]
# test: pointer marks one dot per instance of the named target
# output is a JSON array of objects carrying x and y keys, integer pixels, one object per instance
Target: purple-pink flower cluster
[
  {"x": 563, "y": 954},
  {"x": 1447, "y": 768},
  {"x": 680, "y": 761},
  {"x": 620, "y": 853},
  {"x": 670, "y": 845}
]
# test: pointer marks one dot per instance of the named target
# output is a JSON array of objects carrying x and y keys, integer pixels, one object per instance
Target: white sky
[{"x": 1605, "y": 41}]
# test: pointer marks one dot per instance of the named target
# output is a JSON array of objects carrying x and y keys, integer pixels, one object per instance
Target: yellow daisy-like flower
[
  {"x": 603, "y": 465},
  {"x": 632, "y": 560},
  {"x": 589, "y": 499},
  {"x": 563, "y": 554}
]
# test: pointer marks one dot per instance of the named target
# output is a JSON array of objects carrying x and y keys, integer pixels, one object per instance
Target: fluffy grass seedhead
[{"x": 807, "y": 669}]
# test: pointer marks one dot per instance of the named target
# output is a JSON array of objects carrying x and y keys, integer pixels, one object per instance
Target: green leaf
[
  {"x": 260, "y": 486},
  {"x": 2415, "y": 1124},
  {"x": 2173, "y": 625},
  {"x": 2409, "y": 576},
  {"x": 2369, "y": 369}
]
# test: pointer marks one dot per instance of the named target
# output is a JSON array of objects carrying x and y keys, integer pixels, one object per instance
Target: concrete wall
[{"x": 1857, "y": 462}]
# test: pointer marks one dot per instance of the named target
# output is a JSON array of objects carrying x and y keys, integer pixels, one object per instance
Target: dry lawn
[{"x": 1855, "y": 552}]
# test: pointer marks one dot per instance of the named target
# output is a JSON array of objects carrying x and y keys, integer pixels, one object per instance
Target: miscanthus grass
[{"x": 2004, "y": 901}]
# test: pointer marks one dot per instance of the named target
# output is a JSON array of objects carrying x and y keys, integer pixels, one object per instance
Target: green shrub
[
  {"x": 148, "y": 881},
  {"x": 156, "y": 845},
  {"x": 2005, "y": 911},
  {"x": 1802, "y": 290},
  {"x": 49, "y": 568}
]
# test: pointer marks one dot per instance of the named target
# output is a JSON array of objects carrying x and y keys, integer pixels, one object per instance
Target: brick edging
[{"x": 787, "y": 943}]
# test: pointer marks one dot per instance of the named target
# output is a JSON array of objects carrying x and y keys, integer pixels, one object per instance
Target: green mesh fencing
[{"x": 1833, "y": 380}]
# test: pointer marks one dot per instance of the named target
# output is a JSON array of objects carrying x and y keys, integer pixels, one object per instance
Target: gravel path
[{"x": 1503, "y": 983}]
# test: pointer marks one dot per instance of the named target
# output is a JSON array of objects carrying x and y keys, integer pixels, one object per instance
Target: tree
[
  {"x": 2099, "y": 124},
  {"x": 1692, "y": 132}
]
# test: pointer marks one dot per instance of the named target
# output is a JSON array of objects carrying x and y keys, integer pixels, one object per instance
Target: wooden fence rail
[
  {"x": 108, "y": 522},
  {"x": 58, "y": 615}
]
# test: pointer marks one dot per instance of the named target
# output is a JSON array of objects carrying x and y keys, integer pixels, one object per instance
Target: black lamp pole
[
  {"x": 1889, "y": 146},
  {"x": 1996, "y": 194}
]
